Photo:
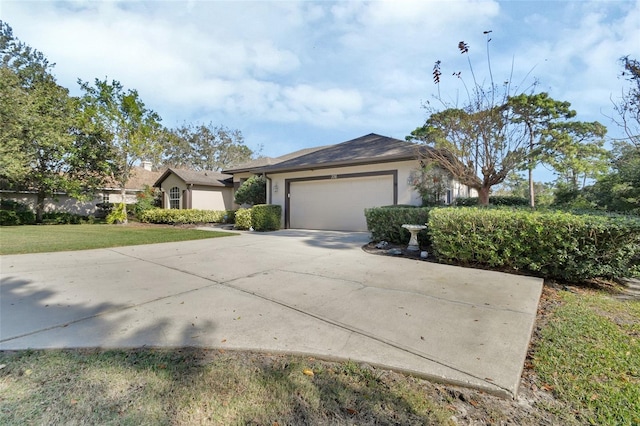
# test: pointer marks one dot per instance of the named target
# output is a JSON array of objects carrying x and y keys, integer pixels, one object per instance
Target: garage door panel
[{"x": 337, "y": 204}]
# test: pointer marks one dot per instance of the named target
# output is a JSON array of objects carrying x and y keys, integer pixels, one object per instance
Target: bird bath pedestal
[{"x": 413, "y": 242}]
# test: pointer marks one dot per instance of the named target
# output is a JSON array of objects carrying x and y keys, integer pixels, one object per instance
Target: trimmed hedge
[
  {"x": 10, "y": 218},
  {"x": 385, "y": 223},
  {"x": 172, "y": 216},
  {"x": 243, "y": 219},
  {"x": 15, "y": 213},
  {"x": 266, "y": 217},
  {"x": 556, "y": 245},
  {"x": 494, "y": 200},
  {"x": 64, "y": 218}
]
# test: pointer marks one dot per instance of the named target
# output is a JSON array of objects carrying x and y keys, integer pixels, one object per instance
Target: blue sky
[{"x": 292, "y": 75}]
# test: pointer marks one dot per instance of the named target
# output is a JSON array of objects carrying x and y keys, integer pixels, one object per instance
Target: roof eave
[{"x": 346, "y": 163}]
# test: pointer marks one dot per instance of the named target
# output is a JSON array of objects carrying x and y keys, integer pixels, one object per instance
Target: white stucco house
[
  {"x": 329, "y": 187},
  {"x": 189, "y": 189}
]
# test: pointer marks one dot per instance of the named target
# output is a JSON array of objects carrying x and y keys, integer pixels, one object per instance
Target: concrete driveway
[{"x": 303, "y": 292}]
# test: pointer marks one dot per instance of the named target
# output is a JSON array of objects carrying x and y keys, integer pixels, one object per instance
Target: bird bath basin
[{"x": 413, "y": 242}]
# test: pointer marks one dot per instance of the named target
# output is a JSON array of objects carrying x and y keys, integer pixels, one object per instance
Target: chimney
[{"x": 146, "y": 165}]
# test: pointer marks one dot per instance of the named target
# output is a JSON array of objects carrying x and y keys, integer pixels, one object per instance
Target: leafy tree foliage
[
  {"x": 14, "y": 161},
  {"x": 499, "y": 131},
  {"x": 619, "y": 189},
  {"x": 474, "y": 143},
  {"x": 252, "y": 191},
  {"x": 535, "y": 113},
  {"x": 200, "y": 147},
  {"x": 516, "y": 185},
  {"x": 131, "y": 129},
  {"x": 431, "y": 182},
  {"x": 575, "y": 150},
  {"x": 44, "y": 144}
]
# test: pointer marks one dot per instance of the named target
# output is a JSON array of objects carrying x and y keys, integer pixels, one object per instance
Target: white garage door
[{"x": 337, "y": 204}]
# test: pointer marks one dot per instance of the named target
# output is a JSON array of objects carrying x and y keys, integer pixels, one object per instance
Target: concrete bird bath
[{"x": 413, "y": 242}]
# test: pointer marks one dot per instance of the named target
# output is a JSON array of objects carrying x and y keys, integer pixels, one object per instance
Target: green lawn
[
  {"x": 589, "y": 355},
  {"x": 50, "y": 238}
]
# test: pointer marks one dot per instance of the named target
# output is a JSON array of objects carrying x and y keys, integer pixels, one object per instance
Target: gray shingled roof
[
  {"x": 259, "y": 163},
  {"x": 206, "y": 178},
  {"x": 371, "y": 148}
]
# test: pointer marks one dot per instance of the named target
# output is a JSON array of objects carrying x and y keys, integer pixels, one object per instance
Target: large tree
[
  {"x": 628, "y": 106},
  {"x": 472, "y": 145},
  {"x": 620, "y": 188},
  {"x": 535, "y": 114},
  {"x": 575, "y": 150},
  {"x": 132, "y": 130},
  {"x": 204, "y": 147},
  {"x": 43, "y": 140},
  {"x": 474, "y": 142},
  {"x": 14, "y": 162}
]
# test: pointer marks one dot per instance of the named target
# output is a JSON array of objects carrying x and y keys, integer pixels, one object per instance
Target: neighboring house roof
[
  {"x": 259, "y": 163},
  {"x": 141, "y": 177},
  {"x": 192, "y": 177},
  {"x": 368, "y": 149}
]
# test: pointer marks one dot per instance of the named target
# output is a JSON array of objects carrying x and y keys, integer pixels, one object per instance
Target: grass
[
  {"x": 196, "y": 386},
  {"x": 589, "y": 355},
  {"x": 51, "y": 238}
]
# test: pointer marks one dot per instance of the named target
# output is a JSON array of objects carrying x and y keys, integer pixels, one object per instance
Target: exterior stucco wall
[
  {"x": 406, "y": 173},
  {"x": 211, "y": 198},
  {"x": 62, "y": 203},
  {"x": 166, "y": 185},
  {"x": 202, "y": 197},
  {"x": 115, "y": 196}
]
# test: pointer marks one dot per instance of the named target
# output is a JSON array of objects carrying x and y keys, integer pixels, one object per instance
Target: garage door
[{"x": 337, "y": 204}]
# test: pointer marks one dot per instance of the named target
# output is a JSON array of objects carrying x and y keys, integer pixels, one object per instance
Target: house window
[
  {"x": 174, "y": 198},
  {"x": 105, "y": 197}
]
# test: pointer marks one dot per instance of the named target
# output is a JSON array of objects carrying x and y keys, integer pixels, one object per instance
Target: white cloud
[{"x": 327, "y": 66}]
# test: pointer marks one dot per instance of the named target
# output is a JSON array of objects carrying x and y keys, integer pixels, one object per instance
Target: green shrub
[
  {"x": 385, "y": 223},
  {"x": 494, "y": 200},
  {"x": 556, "y": 245},
  {"x": 10, "y": 218},
  {"x": 15, "y": 213},
  {"x": 62, "y": 218},
  {"x": 243, "y": 219},
  {"x": 118, "y": 214},
  {"x": 266, "y": 217},
  {"x": 13, "y": 205},
  {"x": 148, "y": 199},
  {"x": 252, "y": 191},
  {"x": 172, "y": 216},
  {"x": 103, "y": 209}
]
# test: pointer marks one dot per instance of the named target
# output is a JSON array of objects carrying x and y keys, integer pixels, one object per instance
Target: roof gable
[
  {"x": 193, "y": 177},
  {"x": 371, "y": 148}
]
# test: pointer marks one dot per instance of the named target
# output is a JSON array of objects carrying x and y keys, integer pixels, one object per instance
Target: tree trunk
[
  {"x": 483, "y": 196},
  {"x": 532, "y": 191},
  {"x": 40, "y": 206},
  {"x": 123, "y": 199}
]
